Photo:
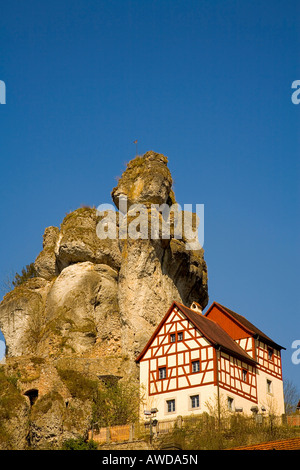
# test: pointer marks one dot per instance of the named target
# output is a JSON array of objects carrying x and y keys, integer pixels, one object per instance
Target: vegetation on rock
[
  {"x": 79, "y": 444},
  {"x": 27, "y": 273},
  {"x": 116, "y": 403}
]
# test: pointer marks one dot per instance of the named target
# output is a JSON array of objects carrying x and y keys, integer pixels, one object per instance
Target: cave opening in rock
[{"x": 32, "y": 394}]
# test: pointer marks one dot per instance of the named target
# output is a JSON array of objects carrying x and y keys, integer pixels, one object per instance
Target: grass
[{"x": 204, "y": 433}]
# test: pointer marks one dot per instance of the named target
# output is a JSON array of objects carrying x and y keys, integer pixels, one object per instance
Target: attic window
[
  {"x": 174, "y": 336},
  {"x": 32, "y": 395}
]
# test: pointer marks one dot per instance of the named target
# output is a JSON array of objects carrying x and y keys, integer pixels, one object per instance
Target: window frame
[
  {"x": 191, "y": 407},
  {"x": 270, "y": 352},
  {"x": 171, "y": 401},
  {"x": 163, "y": 375},
  {"x": 181, "y": 336},
  {"x": 230, "y": 403},
  {"x": 245, "y": 375},
  {"x": 174, "y": 337},
  {"x": 194, "y": 362},
  {"x": 269, "y": 386}
]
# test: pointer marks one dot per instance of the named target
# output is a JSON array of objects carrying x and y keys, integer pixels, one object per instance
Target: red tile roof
[{"x": 284, "y": 444}]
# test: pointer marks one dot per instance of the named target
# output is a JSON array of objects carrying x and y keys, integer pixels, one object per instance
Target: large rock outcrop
[{"x": 96, "y": 299}]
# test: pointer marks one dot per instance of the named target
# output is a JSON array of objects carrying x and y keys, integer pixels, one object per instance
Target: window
[
  {"x": 162, "y": 373},
  {"x": 269, "y": 386},
  {"x": 195, "y": 401},
  {"x": 179, "y": 337},
  {"x": 270, "y": 354},
  {"x": 195, "y": 366},
  {"x": 230, "y": 403},
  {"x": 171, "y": 406},
  {"x": 245, "y": 375}
]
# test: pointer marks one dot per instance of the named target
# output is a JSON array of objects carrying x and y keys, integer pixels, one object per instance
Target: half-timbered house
[{"x": 193, "y": 360}]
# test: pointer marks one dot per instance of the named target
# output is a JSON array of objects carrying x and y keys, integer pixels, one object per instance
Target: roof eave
[
  {"x": 241, "y": 357},
  {"x": 269, "y": 342}
]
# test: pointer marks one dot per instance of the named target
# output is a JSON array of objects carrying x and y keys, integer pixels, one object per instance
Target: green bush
[
  {"x": 205, "y": 432},
  {"x": 79, "y": 444},
  {"x": 116, "y": 403},
  {"x": 10, "y": 397}
]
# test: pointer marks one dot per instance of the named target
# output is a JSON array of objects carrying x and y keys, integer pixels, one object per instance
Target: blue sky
[{"x": 208, "y": 84}]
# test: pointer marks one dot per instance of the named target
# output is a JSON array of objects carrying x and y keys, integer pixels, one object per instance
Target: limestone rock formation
[
  {"x": 96, "y": 300},
  {"x": 146, "y": 180}
]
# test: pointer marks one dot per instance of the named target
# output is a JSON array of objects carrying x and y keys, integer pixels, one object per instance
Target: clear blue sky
[{"x": 207, "y": 83}]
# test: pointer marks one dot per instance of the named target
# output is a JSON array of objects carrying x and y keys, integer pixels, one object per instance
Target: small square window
[
  {"x": 180, "y": 336},
  {"x": 170, "y": 406},
  {"x": 195, "y": 366},
  {"x": 162, "y": 373},
  {"x": 195, "y": 401},
  {"x": 173, "y": 338}
]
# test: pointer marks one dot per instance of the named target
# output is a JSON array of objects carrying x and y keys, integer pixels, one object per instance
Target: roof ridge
[{"x": 230, "y": 309}]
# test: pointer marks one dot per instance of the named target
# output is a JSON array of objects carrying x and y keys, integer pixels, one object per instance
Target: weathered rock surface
[
  {"x": 146, "y": 180},
  {"x": 81, "y": 312},
  {"x": 22, "y": 316},
  {"x": 45, "y": 264},
  {"x": 96, "y": 300}
]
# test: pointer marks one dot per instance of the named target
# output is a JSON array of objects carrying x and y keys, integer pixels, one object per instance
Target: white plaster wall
[
  {"x": 274, "y": 401},
  {"x": 182, "y": 400},
  {"x": 208, "y": 395}
]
